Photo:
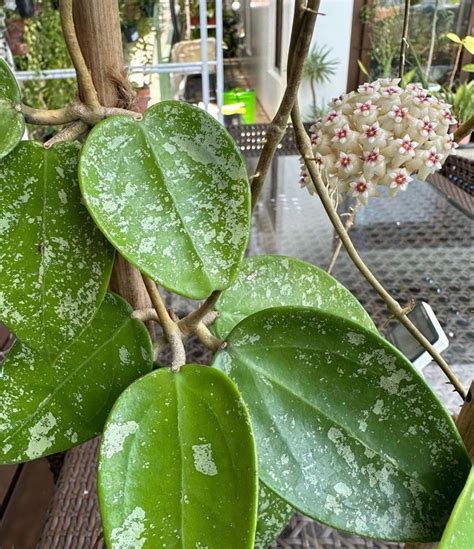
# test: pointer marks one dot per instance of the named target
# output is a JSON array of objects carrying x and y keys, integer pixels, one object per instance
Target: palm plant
[{"x": 318, "y": 68}]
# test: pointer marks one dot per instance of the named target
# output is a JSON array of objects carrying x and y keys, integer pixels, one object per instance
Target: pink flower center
[
  {"x": 365, "y": 107},
  {"x": 361, "y": 187},
  {"x": 346, "y": 161},
  {"x": 400, "y": 179},
  {"x": 371, "y": 131},
  {"x": 390, "y": 90},
  {"x": 434, "y": 157},
  {"x": 428, "y": 126},
  {"x": 407, "y": 145},
  {"x": 372, "y": 157},
  {"x": 341, "y": 133},
  {"x": 331, "y": 116}
]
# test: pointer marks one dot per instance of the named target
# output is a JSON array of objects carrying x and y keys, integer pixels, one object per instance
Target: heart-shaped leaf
[
  {"x": 171, "y": 194},
  {"x": 54, "y": 263},
  {"x": 459, "y": 533},
  {"x": 273, "y": 515},
  {"x": 347, "y": 431},
  {"x": 12, "y": 123},
  {"x": 49, "y": 407},
  {"x": 177, "y": 464},
  {"x": 272, "y": 280}
]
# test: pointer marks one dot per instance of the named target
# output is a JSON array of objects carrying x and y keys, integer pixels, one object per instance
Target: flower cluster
[{"x": 380, "y": 135}]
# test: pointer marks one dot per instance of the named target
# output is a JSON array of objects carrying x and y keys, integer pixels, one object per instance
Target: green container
[{"x": 248, "y": 98}]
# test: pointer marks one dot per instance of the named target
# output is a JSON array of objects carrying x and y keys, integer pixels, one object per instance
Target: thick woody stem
[
  {"x": 69, "y": 133},
  {"x": 304, "y": 146},
  {"x": 86, "y": 85},
  {"x": 45, "y": 117},
  {"x": 170, "y": 328},
  {"x": 189, "y": 323}
]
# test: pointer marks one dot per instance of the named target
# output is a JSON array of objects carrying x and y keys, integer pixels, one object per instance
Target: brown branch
[
  {"x": 464, "y": 129},
  {"x": 304, "y": 21},
  {"x": 304, "y": 146},
  {"x": 189, "y": 323},
  {"x": 347, "y": 227},
  {"x": 170, "y": 328},
  {"x": 455, "y": 66},
  {"x": 69, "y": 133},
  {"x": 84, "y": 79},
  {"x": 45, "y": 117},
  {"x": 403, "y": 43},
  {"x": 210, "y": 341}
]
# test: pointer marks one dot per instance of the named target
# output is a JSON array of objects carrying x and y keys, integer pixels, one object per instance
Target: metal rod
[
  {"x": 58, "y": 74},
  {"x": 204, "y": 56},
  {"x": 220, "y": 59}
]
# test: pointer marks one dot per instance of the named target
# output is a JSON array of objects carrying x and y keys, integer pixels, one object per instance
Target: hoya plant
[{"x": 305, "y": 406}]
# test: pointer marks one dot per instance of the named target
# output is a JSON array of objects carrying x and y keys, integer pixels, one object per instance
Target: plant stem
[
  {"x": 455, "y": 66},
  {"x": 84, "y": 79},
  {"x": 45, "y": 117},
  {"x": 189, "y": 323},
  {"x": 68, "y": 133},
  {"x": 403, "y": 43},
  {"x": 299, "y": 46},
  {"x": 347, "y": 227},
  {"x": 464, "y": 129},
  {"x": 432, "y": 40},
  {"x": 170, "y": 328},
  {"x": 304, "y": 146}
]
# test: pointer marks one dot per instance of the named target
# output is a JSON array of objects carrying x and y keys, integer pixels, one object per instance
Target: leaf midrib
[
  {"x": 58, "y": 387},
  {"x": 173, "y": 200},
  {"x": 335, "y": 423}
]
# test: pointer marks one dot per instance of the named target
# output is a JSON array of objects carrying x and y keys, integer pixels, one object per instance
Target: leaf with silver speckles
[
  {"x": 55, "y": 264},
  {"x": 12, "y": 123},
  {"x": 347, "y": 430},
  {"x": 50, "y": 407},
  {"x": 172, "y": 195}
]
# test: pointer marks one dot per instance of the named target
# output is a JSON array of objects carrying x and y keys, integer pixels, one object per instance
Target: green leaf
[
  {"x": 55, "y": 263},
  {"x": 468, "y": 68},
  {"x": 453, "y": 37},
  {"x": 469, "y": 44},
  {"x": 363, "y": 68},
  {"x": 272, "y": 280},
  {"x": 273, "y": 515},
  {"x": 459, "y": 533},
  {"x": 49, "y": 407},
  {"x": 347, "y": 431},
  {"x": 177, "y": 464},
  {"x": 171, "y": 194},
  {"x": 12, "y": 123},
  {"x": 408, "y": 77}
]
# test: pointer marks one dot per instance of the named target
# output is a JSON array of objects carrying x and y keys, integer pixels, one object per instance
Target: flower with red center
[
  {"x": 398, "y": 113},
  {"x": 345, "y": 161},
  {"x": 341, "y": 134},
  {"x": 371, "y": 132},
  {"x": 450, "y": 144},
  {"x": 406, "y": 145},
  {"x": 390, "y": 90},
  {"x": 364, "y": 108},
  {"x": 448, "y": 117},
  {"x": 366, "y": 88},
  {"x": 433, "y": 158},
  {"x": 400, "y": 179},
  {"x": 315, "y": 138},
  {"x": 372, "y": 157},
  {"x": 337, "y": 101},
  {"x": 420, "y": 97},
  {"x": 427, "y": 127},
  {"x": 360, "y": 188},
  {"x": 332, "y": 117}
]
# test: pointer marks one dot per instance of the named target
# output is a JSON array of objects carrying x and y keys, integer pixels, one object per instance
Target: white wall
[{"x": 333, "y": 30}]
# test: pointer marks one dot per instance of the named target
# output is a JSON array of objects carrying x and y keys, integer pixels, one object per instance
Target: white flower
[
  {"x": 406, "y": 145},
  {"x": 433, "y": 158},
  {"x": 381, "y": 134},
  {"x": 399, "y": 179}
]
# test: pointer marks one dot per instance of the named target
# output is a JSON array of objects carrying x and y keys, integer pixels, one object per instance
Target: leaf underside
[
  {"x": 12, "y": 123},
  {"x": 177, "y": 464},
  {"x": 50, "y": 407},
  {"x": 55, "y": 262},
  {"x": 347, "y": 431},
  {"x": 272, "y": 280},
  {"x": 171, "y": 194}
]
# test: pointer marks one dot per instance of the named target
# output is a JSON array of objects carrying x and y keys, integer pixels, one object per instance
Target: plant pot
[{"x": 143, "y": 98}]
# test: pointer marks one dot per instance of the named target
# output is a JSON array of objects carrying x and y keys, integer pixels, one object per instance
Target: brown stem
[
  {"x": 304, "y": 146},
  {"x": 210, "y": 341},
  {"x": 301, "y": 40},
  {"x": 84, "y": 79},
  {"x": 69, "y": 133},
  {"x": 455, "y": 66},
  {"x": 189, "y": 323},
  {"x": 347, "y": 227},
  {"x": 170, "y": 328},
  {"x": 403, "y": 43},
  {"x": 464, "y": 129},
  {"x": 48, "y": 117}
]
